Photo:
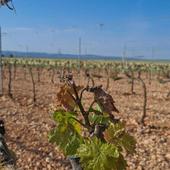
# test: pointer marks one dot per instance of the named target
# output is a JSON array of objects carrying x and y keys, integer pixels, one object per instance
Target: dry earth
[{"x": 28, "y": 125}]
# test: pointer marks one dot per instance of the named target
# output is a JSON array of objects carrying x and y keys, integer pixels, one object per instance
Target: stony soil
[{"x": 28, "y": 125}]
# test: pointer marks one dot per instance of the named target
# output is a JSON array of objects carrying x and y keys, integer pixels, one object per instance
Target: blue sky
[{"x": 107, "y": 27}]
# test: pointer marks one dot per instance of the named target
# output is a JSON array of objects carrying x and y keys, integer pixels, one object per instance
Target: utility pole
[
  {"x": 27, "y": 49},
  {"x": 153, "y": 53},
  {"x": 79, "y": 55},
  {"x": 124, "y": 55},
  {"x": 79, "y": 48},
  {"x": 1, "y": 78}
]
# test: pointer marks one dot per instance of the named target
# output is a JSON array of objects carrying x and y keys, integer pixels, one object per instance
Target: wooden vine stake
[
  {"x": 10, "y": 80},
  {"x": 142, "y": 121},
  {"x": 33, "y": 85}
]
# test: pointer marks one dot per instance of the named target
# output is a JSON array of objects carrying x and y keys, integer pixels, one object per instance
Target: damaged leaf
[
  {"x": 104, "y": 100},
  {"x": 65, "y": 98}
]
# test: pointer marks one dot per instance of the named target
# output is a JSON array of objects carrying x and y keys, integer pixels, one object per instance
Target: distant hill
[
  {"x": 59, "y": 56},
  {"x": 71, "y": 56}
]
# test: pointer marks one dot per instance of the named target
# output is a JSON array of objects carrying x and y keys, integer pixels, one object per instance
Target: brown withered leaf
[
  {"x": 105, "y": 101},
  {"x": 65, "y": 98}
]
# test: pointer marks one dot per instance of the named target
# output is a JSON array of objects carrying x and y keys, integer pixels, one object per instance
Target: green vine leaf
[
  {"x": 95, "y": 155},
  {"x": 99, "y": 119},
  {"x": 67, "y": 133},
  {"x": 64, "y": 118},
  {"x": 117, "y": 135}
]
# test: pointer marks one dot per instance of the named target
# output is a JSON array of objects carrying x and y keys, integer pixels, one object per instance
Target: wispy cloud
[
  {"x": 23, "y": 29},
  {"x": 69, "y": 29},
  {"x": 19, "y": 29}
]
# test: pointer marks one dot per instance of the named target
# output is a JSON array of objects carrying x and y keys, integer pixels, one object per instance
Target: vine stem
[{"x": 77, "y": 100}]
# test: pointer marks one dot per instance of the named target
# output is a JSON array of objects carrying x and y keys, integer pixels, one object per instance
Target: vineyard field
[{"x": 28, "y": 116}]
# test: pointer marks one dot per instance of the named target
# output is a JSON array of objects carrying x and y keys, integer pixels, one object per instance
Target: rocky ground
[{"x": 28, "y": 125}]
